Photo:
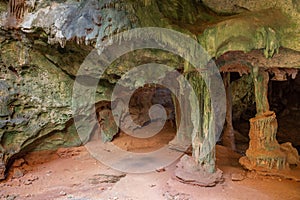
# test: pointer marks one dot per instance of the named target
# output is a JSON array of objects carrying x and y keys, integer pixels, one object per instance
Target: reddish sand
[{"x": 72, "y": 174}]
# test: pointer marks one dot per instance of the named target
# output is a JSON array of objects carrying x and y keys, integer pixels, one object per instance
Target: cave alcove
[
  {"x": 140, "y": 104},
  {"x": 284, "y": 99}
]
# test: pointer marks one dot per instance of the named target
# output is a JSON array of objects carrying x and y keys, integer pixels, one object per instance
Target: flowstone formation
[
  {"x": 264, "y": 153},
  {"x": 43, "y": 44}
]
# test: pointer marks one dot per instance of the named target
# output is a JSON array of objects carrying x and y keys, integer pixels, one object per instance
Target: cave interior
[{"x": 47, "y": 73}]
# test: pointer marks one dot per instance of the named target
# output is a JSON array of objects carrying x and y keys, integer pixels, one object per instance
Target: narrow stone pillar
[
  {"x": 261, "y": 80},
  {"x": 264, "y": 152},
  {"x": 228, "y": 139}
]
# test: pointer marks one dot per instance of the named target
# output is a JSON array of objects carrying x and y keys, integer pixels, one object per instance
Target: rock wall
[{"x": 35, "y": 98}]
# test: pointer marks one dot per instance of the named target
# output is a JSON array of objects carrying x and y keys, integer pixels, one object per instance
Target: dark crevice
[{"x": 63, "y": 70}]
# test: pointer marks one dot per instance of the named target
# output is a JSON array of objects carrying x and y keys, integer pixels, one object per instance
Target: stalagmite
[
  {"x": 264, "y": 152},
  {"x": 228, "y": 134}
]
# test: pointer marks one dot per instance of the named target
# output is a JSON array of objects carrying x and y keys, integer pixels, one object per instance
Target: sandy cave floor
[{"x": 73, "y": 174}]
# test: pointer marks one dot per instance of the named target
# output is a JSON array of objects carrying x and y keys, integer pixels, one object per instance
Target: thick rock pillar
[
  {"x": 264, "y": 152},
  {"x": 200, "y": 169}
]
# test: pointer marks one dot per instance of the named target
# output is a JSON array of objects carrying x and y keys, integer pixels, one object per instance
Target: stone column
[
  {"x": 200, "y": 169},
  {"x": 264, "y": 152},
  {"x": 228, "y": 133}
]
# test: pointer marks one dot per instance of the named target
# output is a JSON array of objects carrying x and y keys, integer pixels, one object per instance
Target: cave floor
[{"x": 73, "y": 174}]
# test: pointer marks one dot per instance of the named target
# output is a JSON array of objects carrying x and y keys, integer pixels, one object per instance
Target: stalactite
[{"x": 16, "y": 9}]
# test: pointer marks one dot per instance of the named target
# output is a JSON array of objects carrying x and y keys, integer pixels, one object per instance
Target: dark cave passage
[
  {"x": 148, "y": 119},
  {"x": 147, "y": 96},
  {"x": 284, "y": 99}
]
